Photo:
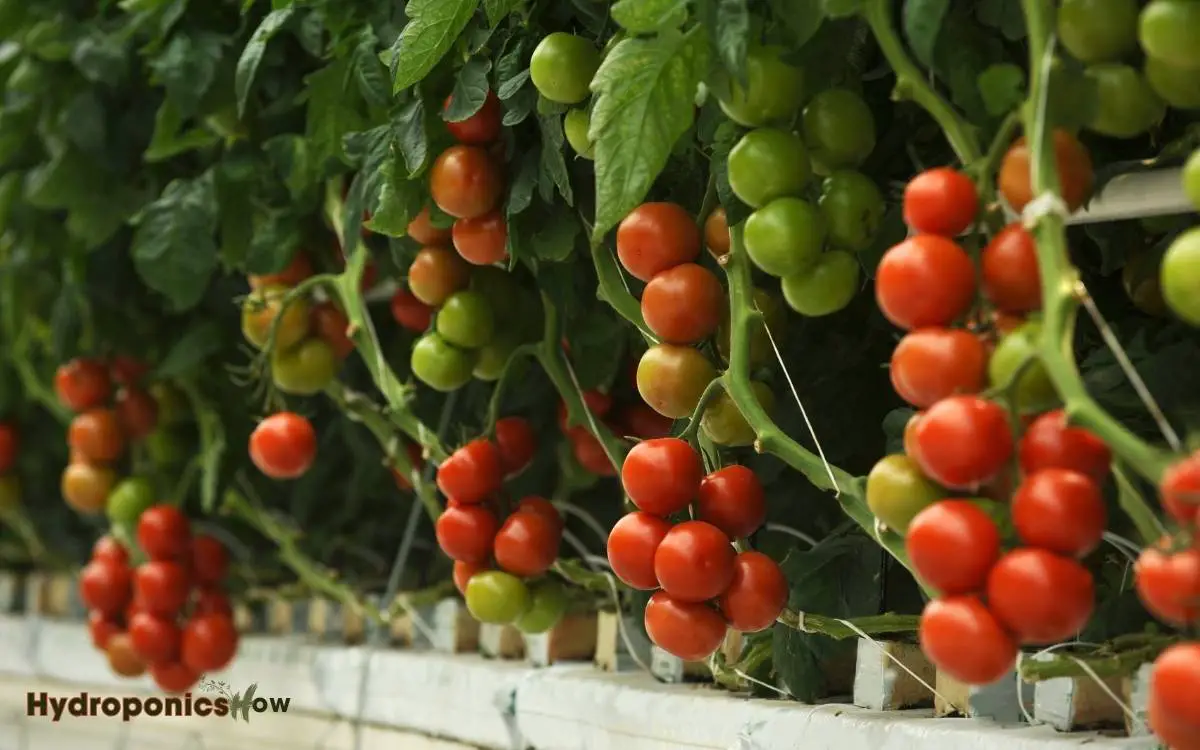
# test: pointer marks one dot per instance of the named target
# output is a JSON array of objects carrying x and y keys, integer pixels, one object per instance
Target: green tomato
[
  {"x": 1191, "y": 178},
  {"x": 1178, "y": 87},
  {"x": 494, "y": 356},
  {"x": 853, "y": 209},
  {"x": 547, "y": 605},
  {"x": 839, "y": 129},
  {"x": 723, "y": 421},
  {"x": 825, "y": 288},
  {"x": 465, "y": 319},
  {"x": 774, "y": 317},
  {"x": 575, "y": 125},
  {"x": 10, "y": 492},
  {"x": 562, "y": 67},
  {"x": 1180, "y": 276},
  {"x": 128, "y": 499},
  {"x": 1126, "y": 106},
  {"x": 164, "y": 446},
  {"x": 767, "y": 164},
  {"x": 785, "y": 236},
  {"x": 1098, "y": 30},
  {"x": 897, "y": 491},
  {"x": 306, "y": 369},
  {"x": 1168, "y": 30},
  {"x": 496, "y": 597},
  {"x": 440, "y": 365},
  {"x": 774, "y": 90},
  {"x": 1033, "y": 392}
]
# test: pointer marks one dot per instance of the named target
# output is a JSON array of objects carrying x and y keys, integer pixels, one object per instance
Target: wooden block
[
  {"x": 454, "y": 630},
  {"x": 353, "y": 629},
  {"x": 574, "y": 638},
  {"x": 612, "y": 651},
  {"x": 881, "y": 684},
  {"x": 1068, "y": 703},
  {"x": 243, "y": 618},
  {"x": 400, "y": 629},
  {"x": 58, "y": 595},
  {"x": 501, "y": 642},
  {"x": 280, "y": 619},
  {"x": 35, "y": 588},
  {"x": 323, "y": 617},
  {"x": 1135, "y": 691},
  {"x": 1000, "y": 701},
  {"x": 668, "y": 668}
]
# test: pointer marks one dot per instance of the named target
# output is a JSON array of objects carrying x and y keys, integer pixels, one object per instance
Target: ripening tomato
[
  {"x": 96, "y": 436},
  {"x": 155, "y": 639},
  {"x": 655, "y": 237},
  {"x": 964, "y": 640},
  {"x": 732, "y": 499},
  {"x": 1174, "y": 710},
  {"x": 517, "y": 444},
  {"x": 1040, "y": 597},
  {"x": 682, "y": 305},
  {"x": 164, "y": 533},
  {"x": 482, "y": 241},
  {"x": 527, "y": 544},
  {"x": 631, "y": 546},
  {"x": 1049, "y": 442},
  {"x": 425, "y": 233},
  {"x": 1168, "y": 583},
  {"x": 263, "y": 306},
  {"x": 173, "y": 677},
  {"x": 161, "y": 587},
  {"x": 542, "y": 507},
  {"x": 661, "y": 476},
  {"x": 1072, "y": 161},
  {"x": 332, "y": 326},
  {"x": 209, "y": 643},
  {"x": 106, "y": 586},
  {"x": 689, "y": 631},
  {"x": 590, "y": 453},
  {"x": 466, "y": 182},
  {"x": 472, "y": 473},
  {"x": 672, "y": 378},
  {"x": 1059, "y": 510},
  {"x": 82, "y": 384},
  {"x": 1009, "y": 267},
  {"x": 85, "y": 487},
  {"x": 283, "y": 446},
  {"x": 940, "y": 201},
  {"x": 756, "y": 595},
  {"x": 210, "y": 560},
  {"x": 952, "y": 545},
  {"x": 495, "y": 597},
  {"x": 897, "y": 491},
  {"x": 298, "y": 269},
  {"x": 436, "y": 273},
  {"x": 122, "y": 659},
  {"x": 716, "y": 233},
  {"x": 102, "y": 627},
  {"x": 694, "y": 562},
  {"x": 108, "y": 548},
  {"x": 925, "y": 280},
  {"x": 9, "y": 444},
  {"x": 137, "y": 412},
  {"x": 963, "y": 441},
  {"x": 642, "y": 422},
  {"x": 127, "y": 371},
  {"x": 410, "y": 312},
  {"x": 463, "y": 572},
  {"x": 1180, "y": 490},
  {"x": 930, "y": 364},
  {"x": 465, "y": 533},
  {"x": 478, "y": 129}
]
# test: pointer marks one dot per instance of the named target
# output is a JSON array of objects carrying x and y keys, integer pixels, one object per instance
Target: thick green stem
[
  {"x": 612, "y": 290},
  {"x": 715, "y": 388},
  {"x": 1119, "y": 663},
  {"x": 837, "y": 628}
]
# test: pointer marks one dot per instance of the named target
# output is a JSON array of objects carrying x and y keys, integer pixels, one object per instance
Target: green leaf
[
  {"x": 83, "y": 121},
  {"x": 732, "y": 33},
  {"x": 801, "y": 17},
  {"x": 648, "y": 16},
  {"x": 408, "y": 128},
  {"x": 470, "y": 90},
  {"x": 191, "y": 350},
  {"x": 173, "y": 248},
  {"x": 102, "y": 58},
  {"x": 555, "y": 238},
  {"x": 1002, "y": 87},
  {"x": 331, "y": 114},
  {"x": 10, "y": 193},
  {"x": 400, "y": 200},
  {"x": 728, "y": 134},
  {"x": 1004, "y": 15},
  {"x": 922, "y": 23},
  {"x": 276, "y": 236},
  {"x": 290, "y": 156},
  {"x": 168, "y": 141},
  {"x": 520, "y": 106},
  {"x": 841, "y": 8},
  {"x": 552, "y": 165},
  {"x": 432, "y": 29},
  {"x": 187, "y": 67},
  {"x": 369, "y": 72},
  {"x": 644, "y": 101},
  {"x": 497, "y": 10},
  {"x": 520, "y": 191},
  {"x": 68, "y": 179},
  {"x": 247, "y": 65}
]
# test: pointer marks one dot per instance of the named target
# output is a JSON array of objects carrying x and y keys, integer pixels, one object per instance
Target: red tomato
[
  {"x": 96, "y": 436},
  {"x": 105, "y": 586},
  {"x": 1049, "y": 443},
  {"x": 590, "y": 453},
  {"x": 173, "y": 677},
  {"x": 482, "y": 241},
  {"x": 298, "y": 269},
  {"x": 694, "y": 562},
  {"x": 155, "y": 639},
  {"x": 940, "y": 201},
  {"x": 82, "y": 384},
  {"x": 930, "y": 364},
  {"x": 473, "y": 472},
  {"x": 137, "y": 412},
  {"x": 463, "y": 572},
  {"x": 164, "y": 533},
  {"x": 465, "y": 533},
  {"x": 161, "y": 587},
  {"x": 9, "y": 443},
  {"x": 732, "y": 500},
  {"x": 655, "y": 237},
  {"x": 597, "y": 402},
  {"x": 415, "y": 459},
  {"x": 952, "y": 545},
  {"x": 756, "y": 595},
  {"x": 210, "y": 560},
  {"x": 683, "y": 304},
  {"x": 631, "y": 546},
  {"x": 283, "y": 446},
  {"x": 108, "y": 548},
  {"x": 102, "y": 627},
  {"x": 527, "y": 544},
  {"x": 479, "y": 129},
  {"x": 424, "y": 232},
  {"x": 211, "y": 601},
  {"x": 964, "y": 640},
  {"x": 410, "y": 312},
  {"x": 1180, "y": 490},
  {"x": 1059, "y": 510},
  {"x": 1168, "y": 583},
  {"x": 1175, "y": 696},
  {"x": 662, "y": 475},
  {"x": 1040, "y": 597},
  {"x": 963, "y": 441},
  {"x": 542, "y": 507},
  {"x": 209, "y": 643},
  {"x": 516, "y": 443},
  {"x": 642, "y": 422},
  {"x": 1011, "y": 279},
  {"x": 686, "y": 630},
  {"x": 332, "y": 326},
  {"x": 466, "y": 182},
  {"x": 924, "y": 281},
  {"x": 122, "y": 659},
  {"x": 127, "y": 371}
]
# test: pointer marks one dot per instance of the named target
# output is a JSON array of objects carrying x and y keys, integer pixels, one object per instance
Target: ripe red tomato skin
[
  {"x": 924, "y": 281},
  {"x": 756, "y": 595},
  {"x": 952, "y": 545},
  {"x": 209, "y": 643},
  {"x": 1180, "y": 490},
  {"x": 211, "y": 601},
  {"x": 465, "y": 533},
  {"x": 732, "y": 499},
  {"x": 661, "y": 476},
  {"x": 940, "y": 201},
  {"x": 1175, "y": 695},
  {"x": 930, "y": 364},
  {"x": 472, "y": 473},
  {"x": 1040, "y": 597},
  {"x": 410, "y": 312},
  {"x": 161, "y": 587},
  {"x": 82, "y": 384},
  {"x": 463, "y": 572},
  {"x": 482, "y": 241},
  {"x": 97, "y": 436},
  {"x": 590, "y": 453},
  {"x": 108, "y": 548},
  {"x": 1168, "y": 584},
  {"x": 962, "y": 441},
  {"x": 542, "y": 507},
  {"x": 424, "y": 232},
  {"x": 641, "y": 421},
  {"x": 689, "y": 631},
  {"x": 527, "y": 544},
  {"x": 682, "y": 305},
  {"x": 164, "y": 533},
  {"x": 1009, "y": 270},
  {"x": 631, "y": 547},
  {"x": 331, "y": 324},
  {"x": 101, "y": 627},
  {"x": 155, "y": 639},
  {"x": 283, "y": 446},
  {"x": 694, "y": 562},
  {"x": 1059, "y": 510},
  {"x": 105, "y": 586},
  {"x": 655, "y": 237},
  {"x": 481, "y": 128},
  {"x": 10, "y": 442},
  {"x": 126, "y": 371},
  {"x": 964, "y": 640},
  {"x": 173, "y": 677},
  {"x": 137, "y": 411},
  {"x": 210, "y": 560},
  {"x": 516, "y": 442},
  {"x": 1049, "y": 442},
  {"x": 466, "y": 182}
]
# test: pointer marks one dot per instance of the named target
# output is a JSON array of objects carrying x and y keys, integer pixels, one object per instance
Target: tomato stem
[
  {"x": 1107, "y": 661},
  {"x": 612, "y": 290},
  {"x": 714, "y": 388},
  {"x": 834, "y": 627}
]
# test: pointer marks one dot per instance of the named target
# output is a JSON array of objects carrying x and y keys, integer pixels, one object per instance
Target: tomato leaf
[
  {"x": 432, "y": 28},
  {"x": 274, "y": 242},
  {"x": 496, "y": 10},
  {"x": 727, "y": 136},
  {"x": 644, "y": 101},
  {"x": 728, "y": 22},
  {"x": 400, "y": 200},
  {"x": 520, "y": 192},
  {"x": 801, "y": 17},
  {"x": 648, "y": 16},
  {"x": 470, "y": 90},
  {"x": 331, "y": 113},
  {"x": 189, "y": 351},
  {"x": 187, "y": 68},
  {"x": 511, "y": 72},
  {"x": 922, "y": 24},
  {"x": 369, "y": 72},
  {"x": 553, "y": 166},
  {"x": 1002, "y": 87},
  {"x": 520, "y": 106},
  {"x": 247, "y": 65},
  {"x": 169, "y": 138},
  {"x": 408, "y": 127},
  {"x": 1004, "y": 15},
  {"x": 555, "y": 237},
  {"x": 173, "y": 247}
]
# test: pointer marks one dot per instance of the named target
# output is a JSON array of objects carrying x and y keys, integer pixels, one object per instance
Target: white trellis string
[
  {"x": 1127, "y": 548},
  {"x": 712, "y": 666},
  {"x": 782, "y": 529},
  {"x": 1125, "y": 709},
  {"x": 859, "y": 632}
]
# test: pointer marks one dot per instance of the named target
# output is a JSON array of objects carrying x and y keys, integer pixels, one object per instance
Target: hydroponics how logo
[
  {"x": 238, "y": 705},
  {"x": 243, "y": 703}
]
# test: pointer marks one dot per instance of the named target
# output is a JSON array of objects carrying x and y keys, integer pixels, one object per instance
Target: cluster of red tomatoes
[
  {"x": 283, "y": 446},
  {"x": 692, "y": 564},
  {"x": 169, "y": 614},
  {"x": 103, "y": 425},
  {"x": 10, "y": 486},
  {"x": 635, "y": 420}
]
